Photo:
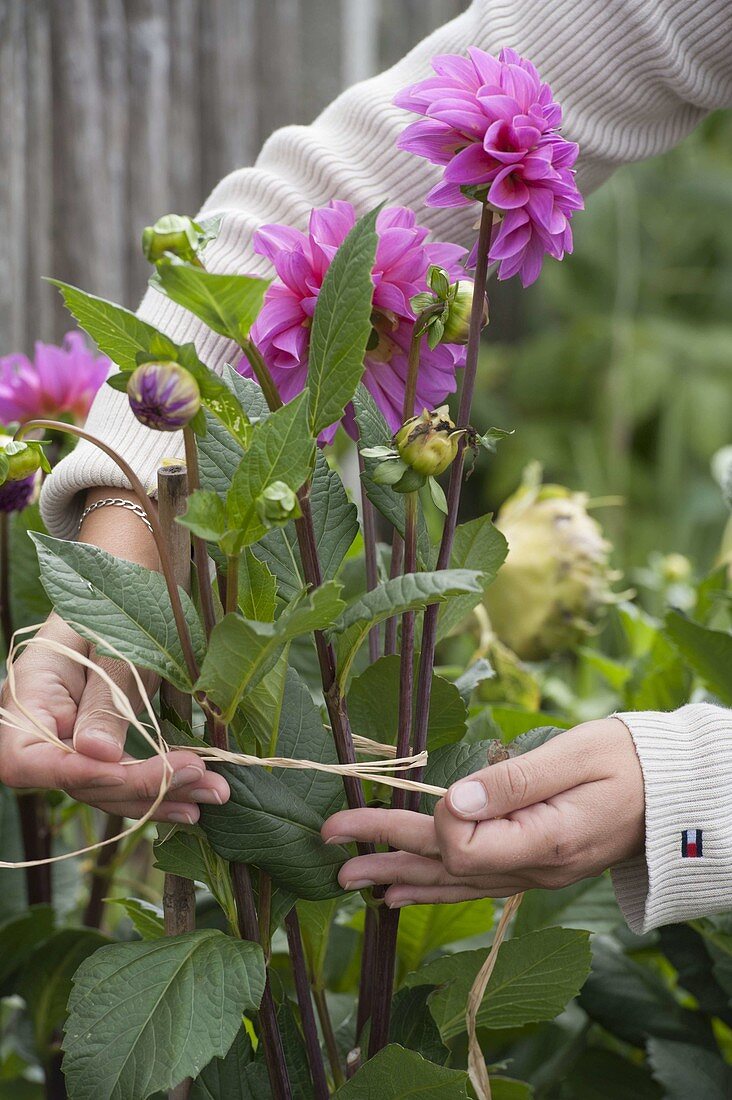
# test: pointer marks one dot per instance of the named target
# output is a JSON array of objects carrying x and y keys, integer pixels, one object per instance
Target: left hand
[{"x": 560, "y": 813}]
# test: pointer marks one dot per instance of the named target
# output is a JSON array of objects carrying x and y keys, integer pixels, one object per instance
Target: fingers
[
  {"x": 399, "y": 896},
  {"x": 569, "y": 760},
  {"x": 398, "y": 828},
  {"x": 99, "y": 731}
]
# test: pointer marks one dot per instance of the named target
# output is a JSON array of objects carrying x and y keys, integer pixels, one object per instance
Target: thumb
[
  {"x": 99, "y": 731},
  {"x": 564, "y": 762}
]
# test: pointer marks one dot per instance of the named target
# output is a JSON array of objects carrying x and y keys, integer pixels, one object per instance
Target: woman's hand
[
  {"x": 563, "y": 812},
  {"x": 76, "y": 705}
]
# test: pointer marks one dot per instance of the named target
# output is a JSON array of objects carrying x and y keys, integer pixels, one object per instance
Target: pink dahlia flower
[
  {"x": 493, "y": 125},
  {"x": 403, "y": 257},
  {"x": 60, "y": 382}
]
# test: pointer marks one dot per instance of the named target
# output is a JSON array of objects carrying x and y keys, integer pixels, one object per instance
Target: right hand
[{"x": 75, "y": 704}]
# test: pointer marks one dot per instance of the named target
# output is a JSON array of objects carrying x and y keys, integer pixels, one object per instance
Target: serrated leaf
[
  {"x": 410, "y": 592},
  {"x": 478, "y": 545},
  {"x": 180, "y": 853},
  {"x": 396, "y": 1073},
  {"x": 21, "y": 935},
  {"x": 126, "y": 604},
  {"x": 234, "y": 1077},
  {"x": 216, "y": 396},
  {"x": 147, "y": 919},
  {"x": 118, "y": 332},
  {"x": 281, "y": 449},
  {"x": 708, "y": 652},
  {"x": 144, "y": 1016},
  {"x": 589, "y": 904},
  {"x": 411, "y": 1023},
  {"x": 424, "y": 928},
  {"x": 342, "y": 326},
  {"x": 302, "y": 736},
  {"x": 686, "y": 1070},
  {"x": 473, "y": 677},
  {"x": 266, "y": 824},
  {"x": 257, "y": 589},
  {"x": 373, "y": 705},
  {"x": 205, "y": 515},
  {"x": 241, "y": 651},
  {"x": 228, "y": 304},
  {"x": 535, "y": 976}
]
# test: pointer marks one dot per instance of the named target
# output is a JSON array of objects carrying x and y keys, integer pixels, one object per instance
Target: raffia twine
[{"x": 378, "y": 770}]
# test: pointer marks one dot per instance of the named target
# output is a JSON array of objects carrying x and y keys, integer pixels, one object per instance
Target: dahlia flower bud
[
  {"x": 457, "y": 323},
  {"x": 429, "y": 443},
  {"x": 17, "y": 495},
  {"x": 20, "y": 473},
  {"x": 277, "y": 504},
  {"x": 556, "y": 578},
  {"x": 164, "y": 396},
  {"x": 173, "y": 233}
]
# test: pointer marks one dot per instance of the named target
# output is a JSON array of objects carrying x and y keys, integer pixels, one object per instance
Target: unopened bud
[
  {"x": 457, "y": 323},
  {"x": 20, "y": 460},
  {"x": 675, "y": 568},
  {"x": 277, "y": 504},
  {"x": 173, "y": 233},
  {"x": 429, "y": 443},
  {"x": 163, "y": 396}
]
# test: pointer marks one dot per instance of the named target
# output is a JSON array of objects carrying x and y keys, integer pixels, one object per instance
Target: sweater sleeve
[
  {"x": 633, "y": 77},
  {"x": 686, "y": 870}
]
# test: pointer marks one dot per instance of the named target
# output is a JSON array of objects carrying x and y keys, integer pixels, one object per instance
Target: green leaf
[
  {"x": 124, "y": 603},
  {"x": 605, "y": 1075},
  {"x": 685, "y": 1070},
  {"x": 534, "y": 978},
  {"x": 144, "y": 1016},
  {"x": 46, "y": 979},
  {"x": 473, "y": 677},
  {"x": 228, "y": 304},
  {"x": 241, "y": 651},
  {"x": 374, "y": 432},
  {"x": 147, "y": 919},
  {"x": 412, "y": 1025},
  {"x": 373, "y": 705},
  {"x": 632, "y": 1001},
  {"x": 478, "y": 545},
  {"x": 708, "y": 652},
  {"x": 257, "y": 588},
  {"x": 316, "y": 918},
  {"x": 281, "y": 449},
  {"x": 266, "y": 824},
  {"x": 181, "y": 853},
  {"x": 21, "y": 935},
  {"x": 205, "y": 515},
  {"x": 302, "y": 736},
  {"x": 589, "y": 904},
  {"x": 342, "y": 326},
  {"x": 396, "y": 1073},
  {"x": 452, "y": 762},
  {"x": 235, "y": 1077},
  {"x": 410, "y": 592},
  {"x": 216, "y": 396},
  {"x": 119, "y": 333},
  {"x": 424, "y": 928}
]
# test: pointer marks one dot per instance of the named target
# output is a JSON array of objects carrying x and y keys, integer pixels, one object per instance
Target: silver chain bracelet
[{"x": 119, "y": 502}]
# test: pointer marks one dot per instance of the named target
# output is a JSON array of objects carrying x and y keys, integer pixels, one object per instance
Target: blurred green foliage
[{"x": 615, "y": 369}]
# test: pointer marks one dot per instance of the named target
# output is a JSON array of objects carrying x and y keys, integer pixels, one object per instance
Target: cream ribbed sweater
[{"x": 634, "y": 77}]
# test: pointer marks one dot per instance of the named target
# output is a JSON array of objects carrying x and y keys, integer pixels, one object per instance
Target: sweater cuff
[{"x": 686, "y": 759}]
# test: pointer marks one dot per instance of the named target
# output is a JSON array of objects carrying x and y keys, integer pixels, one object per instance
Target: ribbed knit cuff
[{"x": 686, "y": 758}]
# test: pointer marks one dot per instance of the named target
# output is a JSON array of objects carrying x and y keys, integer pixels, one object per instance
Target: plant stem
[
  {"x": 232, "y": 584},
  {"x": 304, "y": 1000},
  {"x": 369, "y": 545},
  {"x": 6, "y": 620},
  {"x": 267, "y": 1015},
  {"x": 200, "y": 552},
  {"x": 152, "y": 517},
  {"x": 263, "y": 376},
  {"x": 429, "y": 629},
  {"x": 101, "y": 874},
  {"x": 326, "y": 1026},
  {"x": 389, "y": 918},
  {"x": 397, "y": 561}
]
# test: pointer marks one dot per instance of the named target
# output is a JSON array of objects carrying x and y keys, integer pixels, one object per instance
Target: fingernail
[
  {"x": 207, "y": 794},
  {"x": 468, "y": 797},
  {"x": 107, "y": 781},
  {"x": 186, "y": 775},
  {"x": 181, "y": 818},
  {"x": 400, "y": 903},
  {"x": 341, "y": 840},
  {"x": 359, "y": 884}
]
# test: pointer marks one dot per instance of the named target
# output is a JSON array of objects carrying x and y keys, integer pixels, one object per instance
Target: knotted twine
[{"x": 378, "y": 771}]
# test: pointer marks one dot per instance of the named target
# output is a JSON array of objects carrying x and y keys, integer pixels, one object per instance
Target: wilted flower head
[
  {"x": 493, "y": 125},
  {"x": 59, "y": 383},
  {"x": 403, "y": 258},
  {"x": 429, "y": 443},
  {"x": 163, "y": 395}
]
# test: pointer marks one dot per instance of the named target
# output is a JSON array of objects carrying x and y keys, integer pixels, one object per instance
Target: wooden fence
[{"x": 113, "y": 112}]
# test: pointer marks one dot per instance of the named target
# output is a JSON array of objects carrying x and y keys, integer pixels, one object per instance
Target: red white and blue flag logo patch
[{"x": 691, "y": 843}]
